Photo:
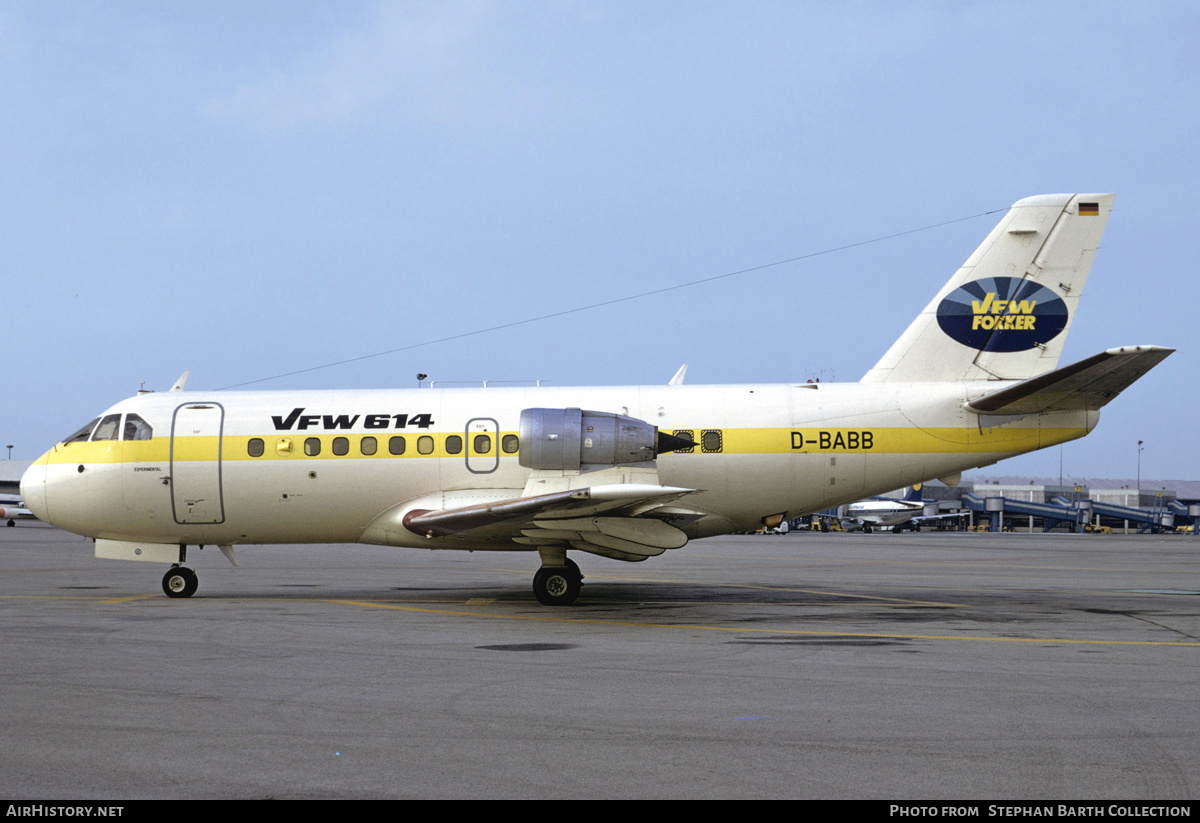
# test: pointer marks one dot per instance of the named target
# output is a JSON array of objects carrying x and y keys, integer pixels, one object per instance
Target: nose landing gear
[{"x": 180, "y": 581}]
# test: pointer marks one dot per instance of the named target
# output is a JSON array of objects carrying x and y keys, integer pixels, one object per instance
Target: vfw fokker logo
[{"x": 1002, "y": 314}]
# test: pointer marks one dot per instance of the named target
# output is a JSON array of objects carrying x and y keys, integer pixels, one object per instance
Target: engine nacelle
[{"x": 565, "y": 439}]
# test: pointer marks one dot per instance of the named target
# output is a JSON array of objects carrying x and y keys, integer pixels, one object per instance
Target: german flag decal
[{"x": 1089, "y": 209}]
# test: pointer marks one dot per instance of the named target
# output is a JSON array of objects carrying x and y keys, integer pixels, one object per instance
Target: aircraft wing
[
  {"x": 626, "y": 521},
  {"x": 612, "y": 500},
  {"x": 1089, "y": 384}
]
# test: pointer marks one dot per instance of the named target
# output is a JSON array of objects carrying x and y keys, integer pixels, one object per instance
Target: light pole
[{"x": 1139, "y": 476}]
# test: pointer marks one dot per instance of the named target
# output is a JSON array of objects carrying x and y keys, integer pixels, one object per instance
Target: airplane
[
  {"x": 12, "y": 511},
  {"x": 899, "y": 513},
  {"x": 885, "y": 511},
  {"x": 623, "y": 472}
]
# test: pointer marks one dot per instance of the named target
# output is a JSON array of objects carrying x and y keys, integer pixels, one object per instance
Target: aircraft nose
[{"x": 33, "y": 490}]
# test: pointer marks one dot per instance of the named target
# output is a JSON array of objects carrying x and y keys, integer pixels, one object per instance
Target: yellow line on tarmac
[
  {"x": 107, "y": 601},
  {"x": 820, "y": 593},
  {"x": 133, "y": 598},
  {"x": 745, "y": 630}
]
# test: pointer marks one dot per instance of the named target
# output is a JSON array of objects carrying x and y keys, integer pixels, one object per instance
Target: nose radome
[{"x": 33, "y": 490}]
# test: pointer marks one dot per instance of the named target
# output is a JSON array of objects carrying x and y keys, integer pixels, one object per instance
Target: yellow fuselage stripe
[{"x": 801, "y": 440}]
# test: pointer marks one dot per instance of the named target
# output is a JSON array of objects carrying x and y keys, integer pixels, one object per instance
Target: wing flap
[
  {"x": 1087, "y": 385},
  {"x": 643, "y": 531},
  {"x": 595, "y": 542}
]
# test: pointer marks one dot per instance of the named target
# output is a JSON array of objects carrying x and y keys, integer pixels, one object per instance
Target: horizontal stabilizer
[{"x": 1086, "y": 385}]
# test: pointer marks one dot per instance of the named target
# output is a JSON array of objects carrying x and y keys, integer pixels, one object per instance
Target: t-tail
[{"x": 1005, "y": 314}]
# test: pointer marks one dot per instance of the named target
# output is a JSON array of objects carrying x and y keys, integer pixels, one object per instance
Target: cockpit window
[
  {"x": 82, "y": 435},
  {"x": 107, "y": 430},
  {"x": 137, "y": 429}
]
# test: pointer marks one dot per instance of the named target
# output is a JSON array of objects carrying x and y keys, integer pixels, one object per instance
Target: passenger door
[{"x": 196, "y": 431}]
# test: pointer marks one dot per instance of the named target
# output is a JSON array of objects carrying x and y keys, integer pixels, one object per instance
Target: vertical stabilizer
[{"x": 1005, "y": 314}]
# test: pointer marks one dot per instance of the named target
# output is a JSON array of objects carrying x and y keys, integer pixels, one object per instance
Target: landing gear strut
[
  {"x": 180, "y": 581},
  {"x": 558, "y": 585}
]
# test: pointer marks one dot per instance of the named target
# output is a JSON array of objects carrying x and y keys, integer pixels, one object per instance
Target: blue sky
[{"x": 246, "y": 190}]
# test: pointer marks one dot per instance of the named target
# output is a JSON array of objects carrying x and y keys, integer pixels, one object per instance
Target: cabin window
[
  {"x": 368, "y": 445},
  {"x": 454, "y": 444},
  {"x": 425, "y": 444},
  {"x": 255, "y": 447},
  {"x": 511, "y": 443},
  {"x": 136, "y": 428},
  {"x": 482, "y": 444},
  {"x": 312, "y": 446},
  {"x": 107, "y": 430},
  {"x": 710, "y": 441},
  {"x": 83, "y": 434},
  {"x": 341, "y": 445},
  {"x": 396, "y": 445}
]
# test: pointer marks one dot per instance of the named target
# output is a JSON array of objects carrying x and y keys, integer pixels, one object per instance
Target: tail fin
[
  {"x": 1005, "y": 314},
  {"x": 913, "y": 495}
]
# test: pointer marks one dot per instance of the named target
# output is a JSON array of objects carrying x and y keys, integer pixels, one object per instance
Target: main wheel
[
  {"x": 557, "y": 585},
  {"x": 180, "y": 582}
]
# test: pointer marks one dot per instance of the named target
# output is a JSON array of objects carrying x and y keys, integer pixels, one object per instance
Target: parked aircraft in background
[
  {"x": 622, "y": 472},
  {"x": 884, "y": 511},
  {"x": 12, "y": 511},
  {"x": 898, "y": 514}
]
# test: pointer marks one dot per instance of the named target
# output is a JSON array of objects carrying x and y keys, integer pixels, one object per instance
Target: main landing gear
[
  {"x": 558, "y": 585},
  {"x": 180, "y": 581}
]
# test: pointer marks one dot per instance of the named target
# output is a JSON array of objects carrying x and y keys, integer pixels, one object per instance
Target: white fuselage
[{"x": 289, "y": 467}]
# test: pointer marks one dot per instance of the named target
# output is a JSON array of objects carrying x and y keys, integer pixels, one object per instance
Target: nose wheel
[
  {"x": 180, "y": 581},
  {"x": 558, "y": 585}
]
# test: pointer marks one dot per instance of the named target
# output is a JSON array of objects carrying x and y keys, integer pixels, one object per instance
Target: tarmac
[{"x": 894, "y": 667}]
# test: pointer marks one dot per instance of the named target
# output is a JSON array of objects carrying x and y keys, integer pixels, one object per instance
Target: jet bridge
[
  {"x": 1053, "y": 514},
  {"x": 1077, "y": 514},
  {"x": 1155, "y": 519},
  {"x": 1191, "y": 511}
]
